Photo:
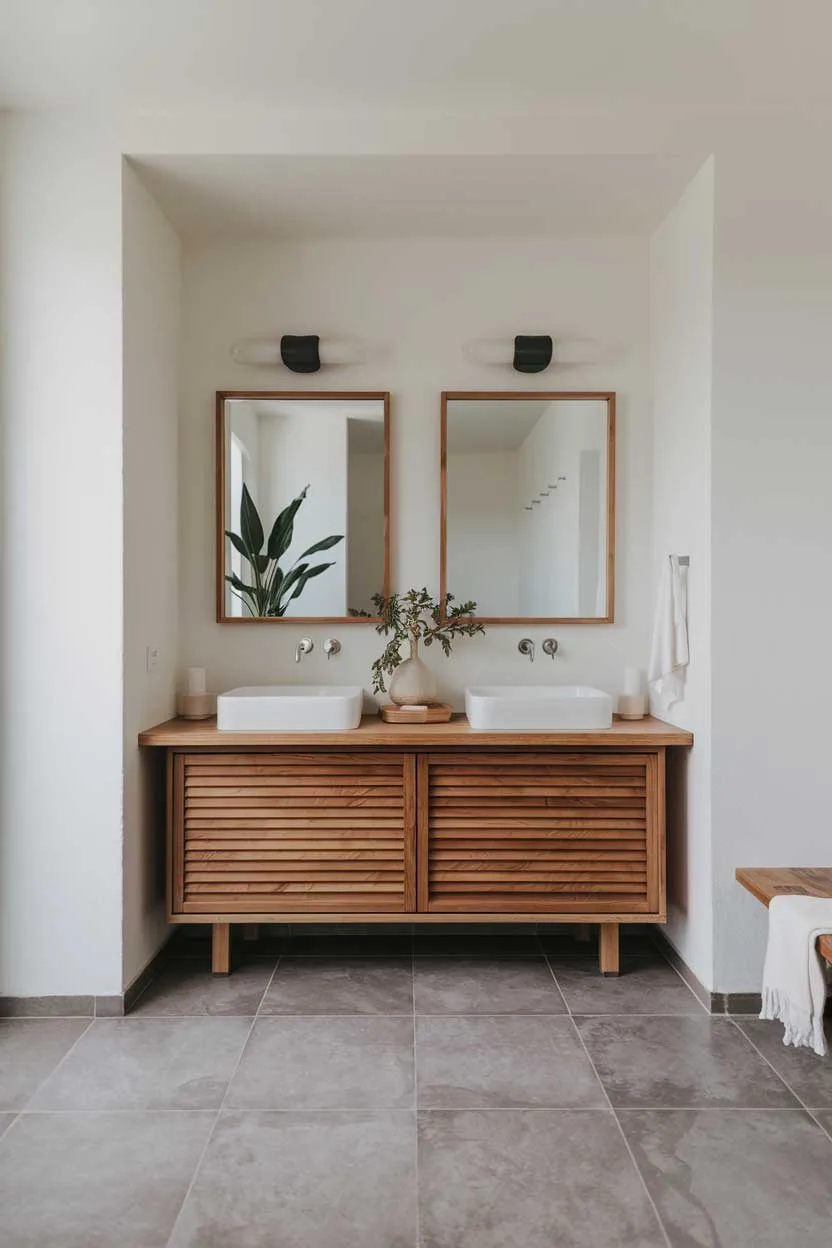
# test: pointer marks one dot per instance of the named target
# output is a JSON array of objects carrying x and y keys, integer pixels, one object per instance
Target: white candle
[
  {"x": 632, "y": 681},
  {"x": 196, "y": 680}
]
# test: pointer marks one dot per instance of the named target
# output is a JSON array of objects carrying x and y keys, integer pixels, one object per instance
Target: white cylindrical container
[
  {"x": 632, "y": 682},
  {"x": 197, "y": 683}
]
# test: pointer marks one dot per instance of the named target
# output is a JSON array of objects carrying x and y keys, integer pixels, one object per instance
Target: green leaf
[
  {"x": 307, "y": 576},
  {"x": 262, "y": 562},
  {"x": 325, "y": 544},
  {"x": 280, "y": 538},
  {"x": 238, "y": 543},
  {"x": 251, "y": 528},
  {"x": 235, "y": 581}
]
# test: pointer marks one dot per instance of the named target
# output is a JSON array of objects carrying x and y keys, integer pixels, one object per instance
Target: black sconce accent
[
  {"x": 301, "y": 352},
  {"x": 532, "y": 352}
]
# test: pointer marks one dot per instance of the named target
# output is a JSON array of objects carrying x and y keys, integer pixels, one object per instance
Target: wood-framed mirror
[
  {"x": 527, "y": 524},
  {"x": 302, "y": 505}
]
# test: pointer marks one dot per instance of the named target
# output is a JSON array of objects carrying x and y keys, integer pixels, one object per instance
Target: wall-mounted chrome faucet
[
  {"x": 303, "y": 647},
  {"x": 526, "y": 646},
  {"x": 331, "y": 646},
  {"x": 550, "y": 646}
]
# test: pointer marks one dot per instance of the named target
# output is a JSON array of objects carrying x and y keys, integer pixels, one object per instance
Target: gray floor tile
[
  {"x": 680, "y": 1063},
  {"x": 187, "y": 987},
  {"x": 825, "y": 1120},
  {"x": 806, "y": 1074},
  {"x": 30, "y": 1049},
  {"x": 335, "y": 946},
  {"x": 530, "y": 1179},
  {"x": 97, "y": 1180},
  {"x": 472, "y": 945},
  {"x": 6, "y": 1121},
  {"x": 643, "y": 987},
  {"x": 729, "y": 1179},
  {"x": 327, "y": 1180},
  {"x": 148, "y": 1063},
  {"x": 341, "y": 986},
  {"x": 502, "y": 1062},
  {"x": 326, "y": 1063},
  {"x": 485, "y": 986}
]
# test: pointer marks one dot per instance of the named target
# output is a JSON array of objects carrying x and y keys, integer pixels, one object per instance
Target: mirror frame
[
  {"x": 608, "y": 396},
  {"x": 222, "y": 397}
]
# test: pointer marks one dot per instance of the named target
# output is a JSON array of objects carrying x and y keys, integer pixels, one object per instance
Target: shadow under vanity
[{"x": 434, "y": 822}]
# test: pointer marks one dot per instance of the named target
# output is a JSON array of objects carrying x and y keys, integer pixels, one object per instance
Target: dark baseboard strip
[
  {"x": 115, "y": 1006},
  {"x": 714, "y": 1002}
]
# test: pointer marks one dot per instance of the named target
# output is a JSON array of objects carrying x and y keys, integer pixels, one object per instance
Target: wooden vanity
[{"x": 429, "y": 823}]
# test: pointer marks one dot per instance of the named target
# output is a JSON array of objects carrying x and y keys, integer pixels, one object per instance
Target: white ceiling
[
  {"x": 677, "y": 58},
  {"x": 396, "y": 196}
]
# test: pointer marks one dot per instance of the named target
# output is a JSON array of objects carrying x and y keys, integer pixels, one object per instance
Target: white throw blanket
[
  {"x": 794, "y": 978},
  {"x": 669, "y": 654}
]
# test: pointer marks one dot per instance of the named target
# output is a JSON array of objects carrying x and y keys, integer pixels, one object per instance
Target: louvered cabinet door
[
  {"x": 558, "y": 833},
  {"x": 293, "y": 832}
]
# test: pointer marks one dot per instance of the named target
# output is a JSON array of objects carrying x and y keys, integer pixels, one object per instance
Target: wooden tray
[{"x": 436, "y": 713}]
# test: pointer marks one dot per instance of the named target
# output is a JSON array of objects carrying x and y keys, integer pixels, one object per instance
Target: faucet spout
[
  {"x": 303, "y": 647},
  {"x": 526, "y": 646}
]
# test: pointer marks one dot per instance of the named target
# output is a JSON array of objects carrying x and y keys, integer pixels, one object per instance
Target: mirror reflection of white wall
[
  {"x": 526, "y": 506},
  {"x": 276, "y": 447}
]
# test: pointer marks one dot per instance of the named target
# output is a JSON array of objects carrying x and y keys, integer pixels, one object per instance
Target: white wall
[
  {"x": 681, "y": 323},
  {"x": 151, "y": 550},
  {"x": 415, "y": 302},
  {"x": 61, "y": 576},
  {"x": 772, "y": 527},
  {"x": 484, "y": 547}
]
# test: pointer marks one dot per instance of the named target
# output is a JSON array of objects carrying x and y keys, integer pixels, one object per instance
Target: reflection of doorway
[{"x": 238, "y": 471}]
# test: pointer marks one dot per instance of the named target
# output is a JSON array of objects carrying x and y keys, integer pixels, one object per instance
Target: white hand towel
[
  {"x": 669, "y": 654},
  {"x": 794, "y": 978}
]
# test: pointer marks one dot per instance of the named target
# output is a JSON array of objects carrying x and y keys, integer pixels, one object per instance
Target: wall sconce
[
  {"x": 528, "y": 353},
  {"x": 300, "y": 353}
]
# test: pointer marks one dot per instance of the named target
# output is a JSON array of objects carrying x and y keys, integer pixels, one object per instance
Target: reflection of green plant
[
  {"x": 273, "y": 589},
  {"x": 415, "y": 616}
]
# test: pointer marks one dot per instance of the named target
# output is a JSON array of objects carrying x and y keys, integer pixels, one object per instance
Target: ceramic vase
[{"x": 412, "y": 683}]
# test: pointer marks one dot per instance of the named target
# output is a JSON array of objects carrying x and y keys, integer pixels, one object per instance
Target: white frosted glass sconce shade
[
  {"x": 525, "y": 353},
  {"x": 300, "y": 353}
]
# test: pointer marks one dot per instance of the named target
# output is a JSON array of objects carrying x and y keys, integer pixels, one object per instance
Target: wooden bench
[{"x": 767, "y": 882}]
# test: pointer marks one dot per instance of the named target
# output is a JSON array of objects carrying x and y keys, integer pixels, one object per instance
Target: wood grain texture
[
  {"x": 540, "y": 832},
  {"x": 608, "y": 952},
  {"x": 186, "y": 734},
  {"x": 605, "y": 396},
  {"x": 767, "y": 882},
  {"x": 221, "y": 948},
  {"x": 222, "y": 397},
  {"x": 294, "y": 831}
]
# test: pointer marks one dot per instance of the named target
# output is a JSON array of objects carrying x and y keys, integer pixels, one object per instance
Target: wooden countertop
[
  {"x": 201, "y": 734},
  {"x": 767, "y": 882}
]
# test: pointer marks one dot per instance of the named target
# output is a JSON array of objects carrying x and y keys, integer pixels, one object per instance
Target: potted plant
[
  {"x": 411, "y": 618},
  {"x": 273, "y": 588}
]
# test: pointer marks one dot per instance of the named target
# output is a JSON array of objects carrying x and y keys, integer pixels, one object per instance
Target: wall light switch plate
[{"x": 152, "y": 657}]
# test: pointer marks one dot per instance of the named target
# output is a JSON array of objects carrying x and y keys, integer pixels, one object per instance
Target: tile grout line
[
  {"x": 615, "y": 1117},
  {"x": 52, "y": 1072},
  {"x": 415, "y": 1098},
  {"x": 213, "y": 1126},
  {"x": 782, "y": 1079}
]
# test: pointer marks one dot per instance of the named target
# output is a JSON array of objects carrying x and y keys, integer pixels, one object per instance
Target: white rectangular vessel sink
[
  {"x": 290, "y": 708},
  {"x": 537, "y": 708}
]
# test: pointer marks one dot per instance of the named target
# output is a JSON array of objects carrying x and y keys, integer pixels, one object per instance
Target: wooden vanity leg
[
  {"x": 221, "y": 948},
  {"x": 251, "y": 931},
  {"x": 609, "y": 949},
  {"x": 583, "y": 933}
]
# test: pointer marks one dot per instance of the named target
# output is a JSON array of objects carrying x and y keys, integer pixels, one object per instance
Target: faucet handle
[
  {"x": 526, "y": 646},
  {"x": 332, "y": 646},
  {"x": 303, "y": 647},
  {"x": 550, "y": 646}
]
